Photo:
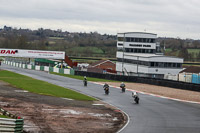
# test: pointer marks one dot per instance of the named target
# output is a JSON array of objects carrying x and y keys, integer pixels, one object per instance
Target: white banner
[{"x": 32, "y": 53}]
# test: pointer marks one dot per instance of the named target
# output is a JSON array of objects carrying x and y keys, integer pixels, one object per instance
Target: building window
[
  {"x": 152, "y": 41},
  {"x": 165, "y": 64},
  {"x": 128, "y": 39},
  {"x": 161, "y": 64},
  {"x": 179, "y": 65},
  {"x": 132, "y": 39},
  {"x": 132, "y": 50},
  {"x": 152, "y": 64}
]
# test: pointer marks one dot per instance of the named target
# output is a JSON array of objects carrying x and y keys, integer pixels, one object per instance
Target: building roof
[
  {"x": 191, "y": 69},
  {"x": 99, "y": 63},
  {"x": 137, "y": 33}
]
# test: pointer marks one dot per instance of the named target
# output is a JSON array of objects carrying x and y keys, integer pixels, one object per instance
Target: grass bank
[
  {"x": 40, "y": 87},
  {"x": 3, "y": 116}
]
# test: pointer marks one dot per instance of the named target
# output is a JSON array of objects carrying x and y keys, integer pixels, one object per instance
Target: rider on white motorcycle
[
  {"x": 134, "y": 94},
  {"x": 136, "y": 97}
]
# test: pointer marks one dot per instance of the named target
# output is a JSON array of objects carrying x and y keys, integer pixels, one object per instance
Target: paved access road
[{"x": 152, "y": 115}]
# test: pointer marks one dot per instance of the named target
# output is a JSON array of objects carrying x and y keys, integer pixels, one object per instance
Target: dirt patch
[
  {"x": 162, "y": 91},
  {"x": 46, "y": 114}
]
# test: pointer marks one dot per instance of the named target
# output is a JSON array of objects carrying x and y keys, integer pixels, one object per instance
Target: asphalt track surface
[{"x": 152, "y": 115}]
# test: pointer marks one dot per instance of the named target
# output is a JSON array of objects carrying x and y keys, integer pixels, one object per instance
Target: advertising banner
[{"x": 32, "y": 53}]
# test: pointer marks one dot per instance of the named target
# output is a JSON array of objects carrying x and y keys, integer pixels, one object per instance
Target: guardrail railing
[
  {"x": 11, "y": 125},
  {"x": 42, "y": 68}
]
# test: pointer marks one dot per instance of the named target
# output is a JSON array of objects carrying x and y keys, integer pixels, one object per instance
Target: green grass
[
  {"x": 94, "y": 50},
  {"x": 81, "y": 78},
  {"x": 168, "y": 50},
  {"x": 40, "y": 87},
  {"x": 3, "y": 116},
  {"x": 193, "y": 50}
]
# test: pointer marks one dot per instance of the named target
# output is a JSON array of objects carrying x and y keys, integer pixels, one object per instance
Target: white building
[{"x": 138, "y": 54}]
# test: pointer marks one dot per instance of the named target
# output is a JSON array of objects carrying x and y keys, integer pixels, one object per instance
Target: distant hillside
[{"x": 90, "y": 44}]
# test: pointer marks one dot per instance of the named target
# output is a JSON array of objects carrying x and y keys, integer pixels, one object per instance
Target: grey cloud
[{"x": 176, "y": 13}]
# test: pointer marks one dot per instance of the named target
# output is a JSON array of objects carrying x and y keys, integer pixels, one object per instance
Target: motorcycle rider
[
  {"x": 135, "y": 96},
  {"x": 122, "y": 86},
  {"x": 85, "y": 81},
  {"x": 106, "y": 88}
]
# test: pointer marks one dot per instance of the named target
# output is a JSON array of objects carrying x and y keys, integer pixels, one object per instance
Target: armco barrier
[
  {"x": 14, "y": 125},
  {"x": 146, "y": 80},
  {"x": 11, "y": 125},
  {"x": 41, "y": 68},
  {"x": 37, "y": 68}
]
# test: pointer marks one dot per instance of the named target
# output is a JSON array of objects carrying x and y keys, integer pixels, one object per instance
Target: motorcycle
[
  {"x": 85, "y": 82},
  {"x": 123, "y": 89},
  {"x": 136, "y": 99},
  {"x": 106, "y": 90},
  {"x": 122, "y": 86}
]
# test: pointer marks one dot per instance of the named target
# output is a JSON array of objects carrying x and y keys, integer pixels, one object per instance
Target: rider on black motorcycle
[
  {"x": 122, "y": 86},
  {"x": 106, "y": 88},
  {"x": 85, "y": 81}
]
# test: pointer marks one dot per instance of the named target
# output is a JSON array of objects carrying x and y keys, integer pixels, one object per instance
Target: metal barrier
[
  {"x": 146, "y": 80},
  {"x": 11, "y": 125},
  {"x": 42, "y": 68}
]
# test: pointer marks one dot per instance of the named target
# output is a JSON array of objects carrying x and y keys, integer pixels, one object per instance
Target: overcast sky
[{"x": 166, "y": 18}]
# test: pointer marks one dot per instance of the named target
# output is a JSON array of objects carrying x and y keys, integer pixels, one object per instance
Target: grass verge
[
  {"x": 81, "y": 78},
  {"x": 3, "y": 116},
  {"x": 40, "y": 87}
]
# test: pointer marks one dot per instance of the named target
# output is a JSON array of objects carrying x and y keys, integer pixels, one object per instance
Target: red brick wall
[{"x": 107, "y": 65}]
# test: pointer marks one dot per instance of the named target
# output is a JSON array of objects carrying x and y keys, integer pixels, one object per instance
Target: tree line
[{"x": 86, "y": 44}]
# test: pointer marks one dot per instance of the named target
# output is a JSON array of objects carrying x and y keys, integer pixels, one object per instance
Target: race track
[{"x": 152, "y": 115}]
